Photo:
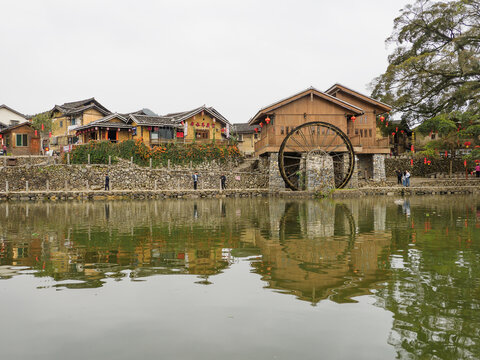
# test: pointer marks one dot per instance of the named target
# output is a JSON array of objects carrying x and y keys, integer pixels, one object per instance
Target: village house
[
  {"x": 21, "y": 139},
  {"x": 9, "y": 117},
  {"x": 69, "y": 116},
  {"x": 246, "y": 137},
  {"x": 202, "y": 124},
  {"x": 352, "y": 112}
]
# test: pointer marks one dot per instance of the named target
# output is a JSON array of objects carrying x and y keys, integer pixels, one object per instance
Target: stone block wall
[
  {"x": 122, "y": 177},
  {"x": 419, "y": 169},
  {"x": 319, "y": 173}
]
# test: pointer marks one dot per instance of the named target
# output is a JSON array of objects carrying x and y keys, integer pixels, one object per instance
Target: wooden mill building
[{"x": 354, "y": 113}]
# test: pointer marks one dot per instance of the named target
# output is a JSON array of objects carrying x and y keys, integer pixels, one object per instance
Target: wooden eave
[
  {"x": 365, "y": 98},
  {"x": 343, "y": 104}
]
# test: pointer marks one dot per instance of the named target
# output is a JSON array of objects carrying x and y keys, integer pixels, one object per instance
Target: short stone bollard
[
  {"x": 131, "y": 161},
  {"x": 150, "y": 163},
  {"x": 109, "y": 160},
  {"x": 26, "y": 186},
  {"x": 168, "y": 163},
  {"x": 88, "y": 156}
]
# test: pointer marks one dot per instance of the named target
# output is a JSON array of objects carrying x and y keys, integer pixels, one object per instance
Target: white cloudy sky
[{"x": 173, "y": 55}]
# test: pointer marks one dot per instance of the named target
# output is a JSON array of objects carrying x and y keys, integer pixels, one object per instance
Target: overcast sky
[{"x": 169, "y": 56}]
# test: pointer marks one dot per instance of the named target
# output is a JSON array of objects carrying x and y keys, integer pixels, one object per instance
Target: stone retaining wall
[{"x": 124, "y": 177}]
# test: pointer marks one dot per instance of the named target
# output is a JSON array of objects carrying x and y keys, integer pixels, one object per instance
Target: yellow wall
[
  {"x": 91, "y": 115},
  {"x": 207, "y": 119},
  {"x": 247, "y": 146}
]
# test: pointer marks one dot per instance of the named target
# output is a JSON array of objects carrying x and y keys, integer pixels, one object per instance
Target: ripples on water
[{"x": 381, "y": 278}]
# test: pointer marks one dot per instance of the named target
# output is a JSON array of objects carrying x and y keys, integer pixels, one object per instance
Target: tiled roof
[
  {"x": 106, "y": 122},
  {"x": 76, "y": 107},
  {"x": 243, "y": 128},
  {"x": 332, "y": 90},
  {"x": 12, "y": 110},
  {"x": 184, "y": 115},
  {"x": 145, "y": 120}
]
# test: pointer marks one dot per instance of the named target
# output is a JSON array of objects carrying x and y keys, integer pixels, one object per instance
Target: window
[
  {"x": 361, "y": 132},
  {"x": 240, "y": 137},
  {"x": 282, "y": 130},
  {"x": 73, "y": 122},
  {"x": 356, "y": 131},
  {"x": 255, "y": 136},
  {"x": 287, "y": 129},
  {"x": 370, "y": 132},
  {"x": 22, "y": 140},
  {"x": 61, "y": 123}
]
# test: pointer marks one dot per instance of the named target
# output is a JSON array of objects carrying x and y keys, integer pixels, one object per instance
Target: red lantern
[
  {"x": 401, "y": 131},
  {"x": 203, "y": 124},
  {"x": 393, "y": 134},
  {"x": 387, "y": 123},
  {"x": 181, "y": 123},
  {"x": 261, "y": 124},
  {"x": 396, "y": 129},
  {"x": 465, "y": 163},
  {"x": 36, "y": 133},
  {"x": 43, "y": 127},
  {"x": 208, "y": 125},
  {"x": 267, "y": 120},
  {"x": 256, "y": 130},
  {"x": 411, "y": 162},
  {"x": 424, "y": 160},
  {"x": 191, "y": 124},
  {"x": 429, "y": 162},
  {"x": 353, "y": 118},
  {"x": 467, "y": 144},
  {"x": 446, "y": 153},
  {"x": 197, "y": 124},
  {"x": 1, "y": 136},
  {"x": 50, "y": 134},
  {"x": 382, "y": 118},
  {"x": 412, "y": 149}
]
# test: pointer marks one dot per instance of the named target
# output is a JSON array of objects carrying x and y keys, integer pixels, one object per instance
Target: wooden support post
[
  {"x": 109, "y": 160},
  {"x": 150, "y": 163},
  {"x": 88, "y": 159}
]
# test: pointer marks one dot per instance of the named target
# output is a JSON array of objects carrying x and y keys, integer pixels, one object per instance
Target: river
[{"x": 371, "y": 278}]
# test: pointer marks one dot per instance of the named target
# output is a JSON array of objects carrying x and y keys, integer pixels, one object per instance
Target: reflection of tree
[{"x": 434, "y": 290}]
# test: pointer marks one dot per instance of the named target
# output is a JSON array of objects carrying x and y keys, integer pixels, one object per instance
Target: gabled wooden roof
[
  {"x": 339, "y": 87},
  {"x": 107, "y": 122},
  {"x": 311, "y": 90},
  {"x": 12, "y": 127}
]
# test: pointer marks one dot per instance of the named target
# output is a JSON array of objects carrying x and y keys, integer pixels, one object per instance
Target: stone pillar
[
  {"x": 379, "y": 168},
  {"x": 275, "y": 180},
  {"x": 353, "y": 183},
  {"x": 319, "y": 173}
]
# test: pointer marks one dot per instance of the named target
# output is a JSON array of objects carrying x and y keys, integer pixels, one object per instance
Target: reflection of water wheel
[{"x": 315, "y": 138}]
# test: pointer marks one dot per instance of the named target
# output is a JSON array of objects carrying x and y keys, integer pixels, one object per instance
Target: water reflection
[{"x": 419, "y": 256}]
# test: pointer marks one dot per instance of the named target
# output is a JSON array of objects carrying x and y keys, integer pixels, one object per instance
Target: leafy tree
[
  {"x": 435, "y": 67},
  {"x": 43, "y": 123}
]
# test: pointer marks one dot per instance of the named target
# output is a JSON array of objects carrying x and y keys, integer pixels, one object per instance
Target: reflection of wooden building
[{"x": 352, "y": 112}]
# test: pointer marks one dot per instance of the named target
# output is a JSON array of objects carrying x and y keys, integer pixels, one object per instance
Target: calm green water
[{"x": 241, "y": 279}]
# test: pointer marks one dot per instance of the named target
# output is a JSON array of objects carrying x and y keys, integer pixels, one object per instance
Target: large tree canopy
[{"x": 435, "y": 67}]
